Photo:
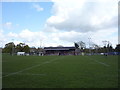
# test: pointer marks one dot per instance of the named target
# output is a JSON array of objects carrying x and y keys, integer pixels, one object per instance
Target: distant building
[
  {"x": 59, "y": 50},
  {"x": 77, "y": 51},
  {"x": 21, "y": 53},
  {"x": 33, "y": 50},
  {"x": 38, "y": 51}
]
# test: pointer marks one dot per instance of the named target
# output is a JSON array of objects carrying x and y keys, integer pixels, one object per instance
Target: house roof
[{"x": 58, "y": 48}]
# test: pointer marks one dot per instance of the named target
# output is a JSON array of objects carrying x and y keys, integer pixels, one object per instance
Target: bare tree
[
  {"x": 81, "y": 44},
  {"x": 96, "y": 47}
]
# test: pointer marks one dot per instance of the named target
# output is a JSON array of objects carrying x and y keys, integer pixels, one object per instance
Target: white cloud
[
  {"x": 38, "y": 7},
  {"x": 66, "y": 38},
  {"x": 105, "y": 34},
  {"x": 76, "y": 20},
  {"x": 12, "y": 35},
  {"x": 26, "y": 36},
  {"x": 2, "y": 38},
  {"x": 1, "y": 35},
  {"x": 73, "y": 20},
  {"x": 8, "y": 25},
  {"x": 31, "y": 37},
  {"x": 82, "y": 15}
]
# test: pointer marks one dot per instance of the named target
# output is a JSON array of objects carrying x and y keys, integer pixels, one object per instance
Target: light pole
[{"x": 40, "y": 43}]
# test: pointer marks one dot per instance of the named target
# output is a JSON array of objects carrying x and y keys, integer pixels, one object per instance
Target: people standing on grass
[{"x": 105, "y": 54}]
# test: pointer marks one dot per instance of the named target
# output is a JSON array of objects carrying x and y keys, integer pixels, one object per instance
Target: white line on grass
[
  {"x": 98, "y": 61},
  {"x": 31, "y": 67},
  {"x": 31, "y": 74},
  {"x": 102, "y": 63}
]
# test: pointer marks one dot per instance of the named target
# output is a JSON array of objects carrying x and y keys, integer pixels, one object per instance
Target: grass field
[{"x": 60, "y": 71}]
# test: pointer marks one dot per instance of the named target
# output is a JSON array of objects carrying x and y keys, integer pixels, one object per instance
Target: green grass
[{"x": 60, "y": 71}]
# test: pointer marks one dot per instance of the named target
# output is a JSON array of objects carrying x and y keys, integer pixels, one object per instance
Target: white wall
[{"x": 20, "y": 53}]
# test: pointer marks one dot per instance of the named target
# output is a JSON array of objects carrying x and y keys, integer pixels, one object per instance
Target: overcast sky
[{"x": 59, "y": 22}]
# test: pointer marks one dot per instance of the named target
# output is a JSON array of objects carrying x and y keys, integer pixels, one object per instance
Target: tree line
[
  {"x": 12, "y": 48},
  {"x": 93, "y": 48}
]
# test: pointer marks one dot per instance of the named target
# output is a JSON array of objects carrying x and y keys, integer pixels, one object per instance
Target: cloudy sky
[{"x": 59, "y": 22}]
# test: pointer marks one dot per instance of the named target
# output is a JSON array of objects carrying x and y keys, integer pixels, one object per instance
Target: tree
[
  {"x": 107, "y": 46},
  {"x": 26, "y": 49},
  {"x": 105, "y": 49},
  {"x": 9, "y": 48},
  {"x": 111, "y": 48},
  {"x": 76, "y": 45},
  {"x": 21, "y": 47},
  {"x": 117, "y": 48},
  {"x": 80, "y": 45},
  {"x": 95, "y": 47}
]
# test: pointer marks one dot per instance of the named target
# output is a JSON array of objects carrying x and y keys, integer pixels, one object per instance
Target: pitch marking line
[
  {"x": 31, "y": 74},
  {"x": 26, "y": 74},
  {"x": 31, "y": 67},
  {"x": 102, "y": 63},
  {"x": 99, "y": 62}
]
